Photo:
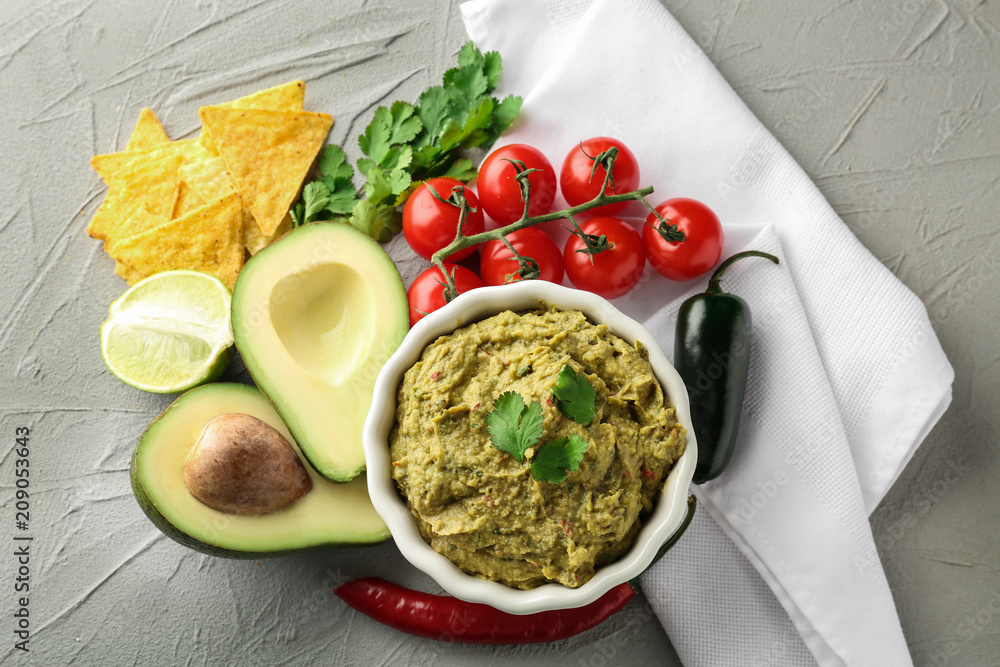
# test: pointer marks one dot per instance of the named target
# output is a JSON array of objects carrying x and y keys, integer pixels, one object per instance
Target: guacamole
[{"x": 483, "y": 509}]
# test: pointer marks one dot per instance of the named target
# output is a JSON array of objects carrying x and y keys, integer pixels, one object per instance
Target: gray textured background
[{"x": 891, "y": 107}]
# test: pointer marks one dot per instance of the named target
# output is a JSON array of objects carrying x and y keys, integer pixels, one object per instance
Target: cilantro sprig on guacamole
[
  {"x": 515, "y": 427},
  {"x": 576, "y": 396}
]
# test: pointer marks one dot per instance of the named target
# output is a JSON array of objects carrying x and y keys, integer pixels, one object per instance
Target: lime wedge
[{"x": 169, "y": 332}]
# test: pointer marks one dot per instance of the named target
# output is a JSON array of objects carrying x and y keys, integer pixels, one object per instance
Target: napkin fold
[{"x": 847, "y": 375}]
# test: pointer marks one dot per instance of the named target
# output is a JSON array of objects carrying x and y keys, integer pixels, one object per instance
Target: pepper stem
[{"x": 713, "y": 283}]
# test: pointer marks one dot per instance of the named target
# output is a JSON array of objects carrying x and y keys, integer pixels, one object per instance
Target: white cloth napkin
[{"x": 847, "y": 376}]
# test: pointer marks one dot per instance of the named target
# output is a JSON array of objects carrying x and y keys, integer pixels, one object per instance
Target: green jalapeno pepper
[{"x": 712, "y": 355}]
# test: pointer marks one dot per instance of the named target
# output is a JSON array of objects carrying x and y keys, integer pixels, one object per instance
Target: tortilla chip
[
  {"x": 268, "y": 154},
  {"x": 209, "y": 239},
  {"x": 190, "y": 149},
  {"x": 254, "y": 239},
  {"x": 148, "y": 132},
  {"x": 135, "y": 218},
  {"x": 130, "y": 275},
  {"x": 134, "y": 180},
  {"x": 188, "y": 200},
  {"x": 107, "y": 216},
  {"x": 284, "y": 97},
  {"x": 212, "y": 181},
  {"x": 208, "y": 177},
  {"x": 111, "y": 165}
]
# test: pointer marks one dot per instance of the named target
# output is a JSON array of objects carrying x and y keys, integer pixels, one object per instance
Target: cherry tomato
[
  {"x": 498, "y": 266},
  {"x": 430, "y": 224},
  {"x": 426, "y": 294},
  {"x": 577, "y": 185},
  {"x": 702, "y": 244},
  {"x": 613, "y": 272},
  {"x": 499, "y": 192}
]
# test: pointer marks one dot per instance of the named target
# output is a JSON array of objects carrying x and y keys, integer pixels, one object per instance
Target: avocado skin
[
  {"x": 179, "y": 536},
  {"x": 150, "y": 510}
]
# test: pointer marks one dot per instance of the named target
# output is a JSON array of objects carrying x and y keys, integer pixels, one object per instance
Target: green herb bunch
[{"x": 405, "y": 144}]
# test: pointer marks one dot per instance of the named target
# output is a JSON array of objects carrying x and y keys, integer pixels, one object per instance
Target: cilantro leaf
[
  {"x": 576, "y": 396},
  {"x": 477, "y": 123},
  {"x": 433, "y": 112},
  {"x": 377, "y": 221},
  {"x": 470, "y": 54},
  {"x": 298, "y": 213},
  {"x": 513, "y": 426},
  {"x": 398, "y": 157},
  {"x": 375, "y": 141},
  {"x": 405, "y": 124},
  {"x": 315, "y": 197},
  {"x": 465, "y": 86},
  {"x": 554, "y": 459},
  {"x": 391, "y": 127},
  {"x": 461, "y": 169},
  {"x": 491, "y": 67},
  {"x": 342, "y": 195},
  {"x": 377, "y": 188},
  {"x": 399, "y": 181},
  {"x": 364, "y": 217},
  {"x": 504, "y": 114},
  {"x": 333, "y": 163}
]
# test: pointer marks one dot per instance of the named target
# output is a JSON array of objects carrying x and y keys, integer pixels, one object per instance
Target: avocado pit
[{"x": 242, "y": 465}]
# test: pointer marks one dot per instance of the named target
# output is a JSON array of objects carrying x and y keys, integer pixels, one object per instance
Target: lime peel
[{"x": 169, "y": 332}]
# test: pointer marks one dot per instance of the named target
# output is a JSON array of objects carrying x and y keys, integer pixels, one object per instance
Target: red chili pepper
[
  {"x": 452, "y": 620},
  {"x": 449, "y": 619}
]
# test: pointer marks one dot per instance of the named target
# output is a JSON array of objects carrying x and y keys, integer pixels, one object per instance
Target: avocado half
[
  {"x": 329, "y": 515},
  {"x": 315, "y": 317}
]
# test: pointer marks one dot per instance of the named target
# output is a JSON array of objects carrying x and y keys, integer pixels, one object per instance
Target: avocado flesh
[
  {"x": 315, "y": 317},
  {"x": 329, "y": 515}
]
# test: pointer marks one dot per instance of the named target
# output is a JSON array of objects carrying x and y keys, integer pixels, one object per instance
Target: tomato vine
[{"x": 593, "y": 246}]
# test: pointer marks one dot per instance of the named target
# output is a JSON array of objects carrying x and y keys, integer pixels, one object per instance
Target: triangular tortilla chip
[
  {"x": 134, "y": 180},
  {"x": 136, "y": 218},
  {"x": 109, "y": 165},
  {"x": 254, "y": 239},
  {"x": 212, "y": 181},
  {"x": 188, "y": 200},
  {"x": 208, "y": 239},
  {"x": 268, "y": 154},
  {"x": 148, "y": 132},
  {"x": 208, "y": 177},
  {"x": 130, "y": 275},
  {"x": 284, "y": 97}
]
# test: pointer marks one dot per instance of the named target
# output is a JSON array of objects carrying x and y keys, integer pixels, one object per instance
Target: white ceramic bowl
[{"x": 391, "y": 506}]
